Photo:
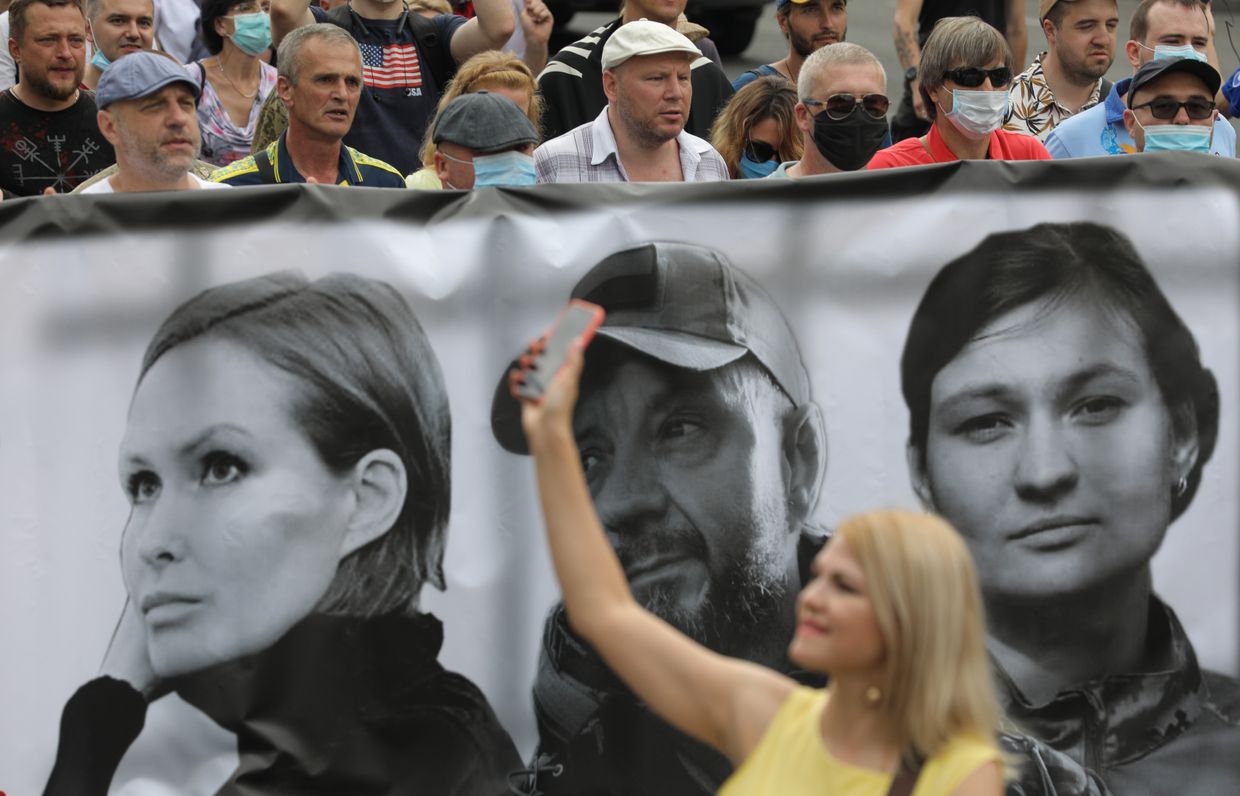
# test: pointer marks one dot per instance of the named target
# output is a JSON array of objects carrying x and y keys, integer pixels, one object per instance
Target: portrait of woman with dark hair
[
  {"x": 1060, "y": 419},
  {"x": 286, "y": 459}
]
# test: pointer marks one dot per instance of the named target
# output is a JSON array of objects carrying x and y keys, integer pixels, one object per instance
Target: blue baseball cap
[{"x": 139, "y": 75}]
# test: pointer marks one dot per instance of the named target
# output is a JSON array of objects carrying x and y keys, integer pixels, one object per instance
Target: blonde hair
[
  {"x": 488, "y": 68},
  {"x": 768, "y": 97},
  {"x": 923, "y": 586}
]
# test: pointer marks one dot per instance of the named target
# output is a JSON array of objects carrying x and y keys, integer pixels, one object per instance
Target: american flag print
[{"x": 391, "y": 66}]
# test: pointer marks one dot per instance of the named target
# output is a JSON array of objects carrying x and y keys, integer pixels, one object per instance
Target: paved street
[{"x": 870, "y": 23}]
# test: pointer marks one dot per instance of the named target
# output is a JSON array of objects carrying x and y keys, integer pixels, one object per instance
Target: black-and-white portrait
[
  {"x": 246, "y": 541},
  {"x": 704, "y": 453},
  {"x": 1060, "y": 418},
  {"x": 286, "y": 459}
]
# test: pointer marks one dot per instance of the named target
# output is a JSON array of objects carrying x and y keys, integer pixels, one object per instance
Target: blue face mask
[
  {"x": 100, "y": 61},
  {"x": 753, "y": 170},
  {"x": 1176, "y": 51},
  {"x": 505, "y": 169},
  {"x": 1177, "y": 137},
  {"x": 252, "y": 32}
]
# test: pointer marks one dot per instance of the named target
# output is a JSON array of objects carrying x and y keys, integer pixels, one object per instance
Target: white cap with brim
[{"x": 644, "y": 37}]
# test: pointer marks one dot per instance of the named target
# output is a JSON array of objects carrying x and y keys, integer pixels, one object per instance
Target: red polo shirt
[{"x": 910, "y": 152}]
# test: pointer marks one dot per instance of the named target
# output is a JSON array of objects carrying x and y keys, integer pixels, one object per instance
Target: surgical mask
[
  {"x": 1174, "y": 51},
  {"x": 977, "y": 114},
  {"x": 1177, "y": 137},
  {"x": 99, "y": 60},
  {"x": 505, "y": 169},
  {"x": 753, "y": 170},
  {"x": 252, "y": 32},
  {"x": 849, "y": 143}
]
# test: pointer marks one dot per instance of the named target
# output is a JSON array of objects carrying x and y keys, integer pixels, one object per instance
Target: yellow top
[{"x": 791, "y": 760}]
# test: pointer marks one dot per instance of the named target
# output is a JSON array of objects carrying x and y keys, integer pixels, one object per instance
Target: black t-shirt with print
[{"x": 50, "y": 148}]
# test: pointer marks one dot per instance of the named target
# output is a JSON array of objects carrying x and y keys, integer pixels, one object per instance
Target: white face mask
[
  {"x": 977, "y": 114},
  {"x": 1174, "y": 51}
]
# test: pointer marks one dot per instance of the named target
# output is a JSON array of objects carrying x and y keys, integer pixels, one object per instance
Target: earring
[
  {"x": 1181, "y": 486},
  {"x": 873, "y": 694}
]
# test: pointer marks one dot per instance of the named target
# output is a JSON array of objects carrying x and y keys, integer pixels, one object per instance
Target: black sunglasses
[
  {"x": 1000, "y": 76},
  {"x": 841, "y": 106},
  {"x": 1165, "y": 108},
  {"x": 760, "y": 151}
]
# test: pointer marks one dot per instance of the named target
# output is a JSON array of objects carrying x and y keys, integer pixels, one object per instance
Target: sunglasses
[
  {"x": 760, "y": 151},
  {"x": 841, "y": 106},
  {"x": 972, "y": 78},
  {"x": 1165, "y": 108}
]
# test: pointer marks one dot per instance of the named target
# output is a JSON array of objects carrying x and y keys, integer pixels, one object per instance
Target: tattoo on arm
[{"x": 906, "y": 48}]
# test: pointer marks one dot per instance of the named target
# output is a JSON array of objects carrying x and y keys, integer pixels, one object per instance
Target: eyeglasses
[
  {"x": 841, "y": 106},
  {"x": 1165, "y": 108},
  {"x": 760, "y": 151},
  {"x": 972, "y": 78}
]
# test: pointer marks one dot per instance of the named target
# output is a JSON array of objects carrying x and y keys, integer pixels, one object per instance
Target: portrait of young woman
[
  {"x": 1060, "y": 419},
  {"x": 286, "y": 461}
]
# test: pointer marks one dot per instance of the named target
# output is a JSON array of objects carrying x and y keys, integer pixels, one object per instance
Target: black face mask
[{"x": 849, "y": 143}]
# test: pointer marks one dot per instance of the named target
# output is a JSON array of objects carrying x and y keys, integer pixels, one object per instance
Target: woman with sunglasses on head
[
  {"x": 893, "y": 615},
  {"x": 964, "y": 76},
  {"x": 755, "y": 132}
]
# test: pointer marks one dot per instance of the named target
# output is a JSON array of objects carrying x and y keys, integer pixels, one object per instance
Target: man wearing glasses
[
  {"x": 966, "y": 99},
  {"x": 842, "y": 113},
  {"x": 1159, "y": 29},
  {"x": 1171, "y": 105}
]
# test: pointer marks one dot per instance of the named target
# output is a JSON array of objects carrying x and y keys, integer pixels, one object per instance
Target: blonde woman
[
  {"x": 756, "y": 131},
  {"x": 893, "y": 616},
  {"x": 494, "y": 71}
]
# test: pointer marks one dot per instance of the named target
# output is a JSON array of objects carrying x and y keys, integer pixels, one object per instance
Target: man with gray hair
[
  {"x": 842, "y": 112},
  {"x": 640, "y": 135},
  {"x": 116, "y": 28},
  {"x": 320, "y": 82}
]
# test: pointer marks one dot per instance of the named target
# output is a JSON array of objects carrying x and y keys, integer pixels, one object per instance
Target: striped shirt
[{"x": 588, "y": 154}]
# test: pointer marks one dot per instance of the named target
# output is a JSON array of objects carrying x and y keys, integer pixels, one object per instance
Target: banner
[{"x": 1059, "y": 418}]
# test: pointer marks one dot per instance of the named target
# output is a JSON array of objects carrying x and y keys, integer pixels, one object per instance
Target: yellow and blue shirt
[{"x": 274, "y": 165}]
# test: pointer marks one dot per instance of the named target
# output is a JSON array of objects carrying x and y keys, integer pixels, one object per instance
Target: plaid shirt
[
  {"x": 1032, "y": 109},
  {"x": 588, "y": 154}
]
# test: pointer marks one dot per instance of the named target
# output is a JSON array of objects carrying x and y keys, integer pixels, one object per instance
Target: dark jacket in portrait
[
  {"x": 339, "y": 705},
  {"x": 1171, "y": 729}
]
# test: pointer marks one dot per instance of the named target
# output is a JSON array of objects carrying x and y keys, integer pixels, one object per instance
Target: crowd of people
[{"x": 355, "y": 93}]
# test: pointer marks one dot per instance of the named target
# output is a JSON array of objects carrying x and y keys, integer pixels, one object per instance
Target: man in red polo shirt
[{"x": 967, "y": 101}]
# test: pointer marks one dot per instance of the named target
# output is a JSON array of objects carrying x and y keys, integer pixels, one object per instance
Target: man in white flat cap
[{"x": 640, "y": 135}]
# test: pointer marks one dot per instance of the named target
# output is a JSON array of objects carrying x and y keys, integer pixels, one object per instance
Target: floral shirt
[
  {"x": 1032, "y": 108},
  {"x": 222, "y": 141}
]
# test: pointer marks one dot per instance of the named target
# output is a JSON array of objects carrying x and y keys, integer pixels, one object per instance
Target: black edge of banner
[{"x": 69, "y": 215}]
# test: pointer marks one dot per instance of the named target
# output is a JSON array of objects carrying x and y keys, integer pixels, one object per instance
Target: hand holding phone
[{"x": 576, "y": 322}]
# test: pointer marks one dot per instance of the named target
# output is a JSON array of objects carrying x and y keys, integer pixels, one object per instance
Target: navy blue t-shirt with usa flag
[{"x": 399, "y": 97}]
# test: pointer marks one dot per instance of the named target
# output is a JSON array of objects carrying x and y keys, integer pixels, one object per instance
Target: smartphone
[{"x": 577, "y": 321}]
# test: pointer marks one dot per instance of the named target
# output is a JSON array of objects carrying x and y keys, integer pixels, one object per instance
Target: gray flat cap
[{"x": 484, "y": 122}]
